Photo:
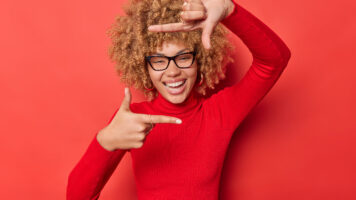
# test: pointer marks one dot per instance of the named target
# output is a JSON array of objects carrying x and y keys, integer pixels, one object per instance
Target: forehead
[{"x": 171, "y": 48}]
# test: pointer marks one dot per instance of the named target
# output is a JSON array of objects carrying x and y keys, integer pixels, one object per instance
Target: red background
[{"x": 58, "y": 88}]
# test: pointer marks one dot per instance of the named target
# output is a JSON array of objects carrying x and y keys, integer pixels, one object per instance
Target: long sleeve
[
  {"x": 270, "y": 57},
  {"x": 92, "y": 172}
]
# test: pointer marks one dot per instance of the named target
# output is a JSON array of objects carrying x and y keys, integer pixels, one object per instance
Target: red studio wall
[{"x": 58, "y": 88}]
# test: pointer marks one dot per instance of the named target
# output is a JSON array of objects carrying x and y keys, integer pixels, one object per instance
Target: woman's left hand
[{"x": 204, "y": 14}]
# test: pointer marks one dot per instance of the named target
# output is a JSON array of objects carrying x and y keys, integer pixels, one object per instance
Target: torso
[{"x": 185, "y": 157}]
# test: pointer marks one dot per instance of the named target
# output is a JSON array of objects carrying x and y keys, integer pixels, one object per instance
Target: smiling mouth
[{"x": 175, "y": 85}]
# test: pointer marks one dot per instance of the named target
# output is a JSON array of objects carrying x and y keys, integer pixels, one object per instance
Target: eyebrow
[{"x": 161, "y": 54}]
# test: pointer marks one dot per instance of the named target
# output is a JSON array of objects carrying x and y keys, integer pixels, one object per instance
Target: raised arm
[
  {"x": 270, "y": 57},
  {"x": 265, "y": 45},
  {"x": 92, "y": 172}
]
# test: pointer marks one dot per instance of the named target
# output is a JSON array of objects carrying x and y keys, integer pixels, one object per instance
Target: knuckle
[
  {"x": 157, "y": 118},
  {"x": 189, "y": 6},
  {"x": 202, "y": 14},
  {"x": 138, "y": 145},
  {"x": 141, "y": 128},
  {"x": 145, "y": 117},
  {"x": 188, "y": 27},
  {"x": 184, "y": 15},
  {"x": 141, "y": 136}
]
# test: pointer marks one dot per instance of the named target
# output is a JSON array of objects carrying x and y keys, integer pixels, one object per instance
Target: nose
[{"x": 173, "y": 69}]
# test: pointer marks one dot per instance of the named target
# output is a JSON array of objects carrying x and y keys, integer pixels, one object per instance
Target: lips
[
  {"x": 174, "y": 83},
  {"x": 175, "y": 88}
]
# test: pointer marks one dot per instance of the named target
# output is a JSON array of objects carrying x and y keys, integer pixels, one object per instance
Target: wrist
[{"x": 103, "y": 139}]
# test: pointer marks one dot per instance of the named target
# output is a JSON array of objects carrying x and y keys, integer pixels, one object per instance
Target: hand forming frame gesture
[
  {"x": 129, "y": 130},
  {"x": 204, "y": 14}
]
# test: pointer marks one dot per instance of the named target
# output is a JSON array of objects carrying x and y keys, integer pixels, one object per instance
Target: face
[{"x": 174, "y": 84}]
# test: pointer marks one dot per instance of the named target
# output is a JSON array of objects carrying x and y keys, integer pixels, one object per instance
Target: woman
[{"x": 178, "y": 140}]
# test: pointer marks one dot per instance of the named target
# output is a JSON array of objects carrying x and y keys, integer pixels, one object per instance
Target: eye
[
  {"x": 158, "y": 60},
  {"x": 184, "y": 58}
]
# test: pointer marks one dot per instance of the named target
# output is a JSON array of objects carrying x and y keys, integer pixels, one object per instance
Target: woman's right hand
[
  {"x": 199, "y": 14},
  {"x": 128, "y": 130}
]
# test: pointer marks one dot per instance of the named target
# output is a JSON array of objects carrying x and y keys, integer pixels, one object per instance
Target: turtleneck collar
[{"x": 190, "y": 105}]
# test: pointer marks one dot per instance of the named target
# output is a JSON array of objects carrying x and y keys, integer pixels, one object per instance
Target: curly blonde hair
[{"x": 131, "y": 42}]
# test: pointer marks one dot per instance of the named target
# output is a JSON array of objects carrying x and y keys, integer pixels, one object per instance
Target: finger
[
  {"x": 207, "y": 31},
  {"x": 172, "y": 27},
  {"x": 125, "y": 105},
  {"x": 139, "y": 137},
  {"x": 137, "y": 145},
  {"x": 193, "y": 1},
  {"x": 192, "y": 6},
  {"x": 148, "y": 129},
  {"x": 193, "y": 15},
  {"x": 144, "y": 127},
  {"x": 154, "y": 119},
  {"x": 165, "y": 119}
]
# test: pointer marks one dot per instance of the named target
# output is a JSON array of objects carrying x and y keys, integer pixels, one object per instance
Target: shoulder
[{"x": 217, "y": 95}]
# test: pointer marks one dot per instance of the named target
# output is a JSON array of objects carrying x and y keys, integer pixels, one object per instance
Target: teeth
[{"x": 175, "y": 84}]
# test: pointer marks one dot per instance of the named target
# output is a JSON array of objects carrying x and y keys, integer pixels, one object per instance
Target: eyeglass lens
[{"x": 161, "y": 62}]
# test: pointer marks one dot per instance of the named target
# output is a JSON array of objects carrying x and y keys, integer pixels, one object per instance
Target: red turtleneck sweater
[{"x": 184, "y": 161}]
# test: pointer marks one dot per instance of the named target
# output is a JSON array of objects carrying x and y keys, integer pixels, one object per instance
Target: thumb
[
  {"x": 127, "y": 100},
  {"x": 207, "y": 31}
]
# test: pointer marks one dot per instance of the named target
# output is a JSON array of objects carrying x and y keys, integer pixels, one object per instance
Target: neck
[{"x": 185, "y": 108}]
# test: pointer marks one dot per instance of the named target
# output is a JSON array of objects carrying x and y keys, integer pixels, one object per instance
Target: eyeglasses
[{"x": 160, "y": 63}]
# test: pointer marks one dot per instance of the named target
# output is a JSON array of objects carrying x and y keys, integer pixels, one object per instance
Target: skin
[
  {"x": 199, "y": 14},
  {"x": 128, "y": 130},
  {"x": 159, "y": 78}
]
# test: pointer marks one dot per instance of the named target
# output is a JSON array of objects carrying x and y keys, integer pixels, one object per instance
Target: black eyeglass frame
[{"x": 148, "y": 59}]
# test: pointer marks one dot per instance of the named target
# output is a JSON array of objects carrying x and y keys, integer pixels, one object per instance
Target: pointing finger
[
  {"x": 164, "y": 119},
  {"x": 154, "y": 119}
]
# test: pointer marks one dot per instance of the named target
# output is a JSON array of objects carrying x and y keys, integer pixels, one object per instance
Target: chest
[{"x": 172, "y": 153}]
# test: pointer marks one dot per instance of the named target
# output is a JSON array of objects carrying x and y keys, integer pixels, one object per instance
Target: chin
[
  {"x": 177, "y": 100},
  {"x": 176, "y": 95}
]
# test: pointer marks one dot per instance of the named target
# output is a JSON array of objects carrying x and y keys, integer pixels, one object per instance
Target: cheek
[
  {"x": 192, "y": 73},
  {"x": 154, "y": 75}
]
